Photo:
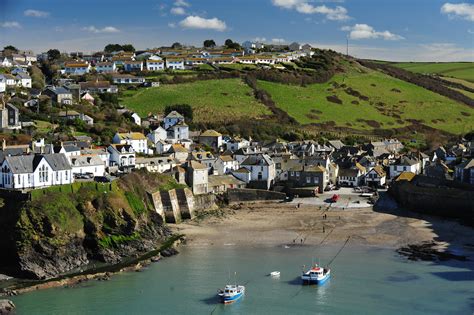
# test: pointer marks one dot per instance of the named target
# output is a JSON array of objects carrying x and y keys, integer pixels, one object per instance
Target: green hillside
[
  {"x": 384, "y": 102},
  {"x": 212, "y": 100},
  {"x": 460, "y": 70}
]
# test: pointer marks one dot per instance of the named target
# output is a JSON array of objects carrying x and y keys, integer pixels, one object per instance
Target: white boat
[
  {"x": 231, "y": 293},
  {"x": 316, "y": 275},
  {"x": 275, "y": 274}
]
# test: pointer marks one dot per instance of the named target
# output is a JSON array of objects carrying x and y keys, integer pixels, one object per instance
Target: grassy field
[
  {"x": 212, "y": 100},
  {"x": 459, "y": 70},
  {"x": 391, "y": 102},
  {"x": 237, "y": 66}
]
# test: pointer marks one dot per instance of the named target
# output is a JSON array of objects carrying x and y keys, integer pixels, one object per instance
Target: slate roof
[
  {"x": 260, "y": 160},
  {"x": 58, "y": 162},
  {"x": 174, "y": 114},
  {"x": 86, "y": 160},
  {"x": 23, "y": 163}
]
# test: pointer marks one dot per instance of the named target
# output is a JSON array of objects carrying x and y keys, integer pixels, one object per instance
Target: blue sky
[{"x": 418, "y": 30}]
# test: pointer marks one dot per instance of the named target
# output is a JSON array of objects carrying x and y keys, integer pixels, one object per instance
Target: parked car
[
  {"x": 102, "y": 179},
  {"x": 84, "y": 176}
]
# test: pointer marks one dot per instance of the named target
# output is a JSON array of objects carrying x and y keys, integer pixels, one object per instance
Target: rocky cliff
[{"x": 57, "y": 230}]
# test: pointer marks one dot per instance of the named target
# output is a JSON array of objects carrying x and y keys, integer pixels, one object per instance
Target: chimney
[{"x": 4, "y": 144}]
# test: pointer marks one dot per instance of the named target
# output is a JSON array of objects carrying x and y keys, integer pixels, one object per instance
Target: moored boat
[
  {"x": 231, "y": 293},
  {"x": 316, "y": 275},
  {"x": 275, "y": 274}
]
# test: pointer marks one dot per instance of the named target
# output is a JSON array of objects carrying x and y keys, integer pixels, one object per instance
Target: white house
[
  {"x": 155, "y": 65},
  {"x": 174, "y": 64},
  {"x": 376, "y": 177},
  {"x": 262, "y": 169},
  {"x": 136, "y": 119},
  {"x": 237, "y": 143},
  {"x": 173, "y": 118},
  {"x": 404, "y": 164},
  {"x": 225, "y": 164},
  {"x": 352, "y": 177},
  {"x": 7, "y": 63},
  {"x": 105, "y": 67},
  {"x": 155, "y": 164},
  {"x": 159, "y": 134},
  {"x": 10, "y": 81},
  {"x": 101, "y": 153},
  {"x": 87, "y": 164},
  {"x": 162, "y": 146},
  {"x": 76, "y": 68},
  {"x": 136, "y": 139},
  {"x": 122, "y": 155},
  {"x": 127, "y": 79},
  {"x": 35, "y": 171},
  {"x": 133, "y": 66},
  {"x": 23, "y": 80}
]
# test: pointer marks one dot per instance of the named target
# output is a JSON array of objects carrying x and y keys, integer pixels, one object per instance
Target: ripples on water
[{"x": 364, "y": 281}]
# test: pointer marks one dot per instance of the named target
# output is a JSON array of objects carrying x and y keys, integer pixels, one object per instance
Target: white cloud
[
  {"x": 470, "y": 31},
  {"x": 178, "y": 11},
  {"x": 364, "y": 31},
  {"x": 462, "y": 10},
  {"x": 259, "y": 39},
  {"x": 304, "y": 6},
  {"x": 181, "y": 3},
  {"x": 106, "y": 29},
  {"x": 36, "y": 13},
  {"x": 434, "y": 52},
  {"x": 171, "y": 25},
  {"x": 10, "y": 24},
  {"x": 197, "y": 22},
  {"x": 278, "y": 40}
]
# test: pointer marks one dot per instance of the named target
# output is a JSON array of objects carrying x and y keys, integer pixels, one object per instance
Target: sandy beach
[{"x": 279, "y": 224}]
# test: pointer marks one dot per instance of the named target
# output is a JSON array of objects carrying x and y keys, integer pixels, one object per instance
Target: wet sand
[{"x": 279, "y": 224}]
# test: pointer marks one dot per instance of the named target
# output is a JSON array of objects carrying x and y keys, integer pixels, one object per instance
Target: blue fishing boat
[
  {"x": 231, "y": 293},
  {"x": 316, "y": 275}
]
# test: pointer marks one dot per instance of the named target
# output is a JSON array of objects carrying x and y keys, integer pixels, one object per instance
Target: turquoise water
[{"x": 364, "y": 280}]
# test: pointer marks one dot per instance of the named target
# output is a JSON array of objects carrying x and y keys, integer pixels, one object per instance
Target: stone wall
[
  {"x": 435, "y": 199},
  {"x": 239, "y": 195},
  {"x": 180, "y": 204}
]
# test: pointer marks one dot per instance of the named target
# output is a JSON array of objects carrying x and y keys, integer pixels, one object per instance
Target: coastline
[
  {"x": 272, "y": 224},
  {"x": 168, "y": 248},
  {"x": 280, "y": 224}
]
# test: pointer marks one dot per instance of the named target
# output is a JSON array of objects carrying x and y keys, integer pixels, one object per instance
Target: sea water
[{"x": 364, "y": 280}]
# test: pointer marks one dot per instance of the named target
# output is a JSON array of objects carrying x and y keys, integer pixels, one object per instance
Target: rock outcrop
[
  {"x": 57, "y": 231},
  {"x": 6, "y": 307}
]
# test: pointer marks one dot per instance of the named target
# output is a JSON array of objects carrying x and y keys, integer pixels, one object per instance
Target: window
[
  {"x": 43, "y": 174},
  {"x": 308, "y": 180},
  {"x": 57, "y": 176}
]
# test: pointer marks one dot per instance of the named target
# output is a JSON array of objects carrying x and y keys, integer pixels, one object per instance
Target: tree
[
  {"x": 11, "y": 48},
  {"x": 209, "y": 43},
  {"x": 176, "y": 46},
  {"x": 112, "y": 47},
  {"x": 231, "y": 45},
  {"x": 128, "y": 48},
  {"x": 53, "y": 54}
]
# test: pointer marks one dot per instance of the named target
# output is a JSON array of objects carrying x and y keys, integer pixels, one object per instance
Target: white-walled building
[
  {"x": 136, "y": 139},
  {"x": 262, "y": 169},
  {"x": 35, "y": 171},
  {"x": 122, "y": 155},
  {"x": 155, "y": 65},
  {"x": 87, "y": 164}
]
